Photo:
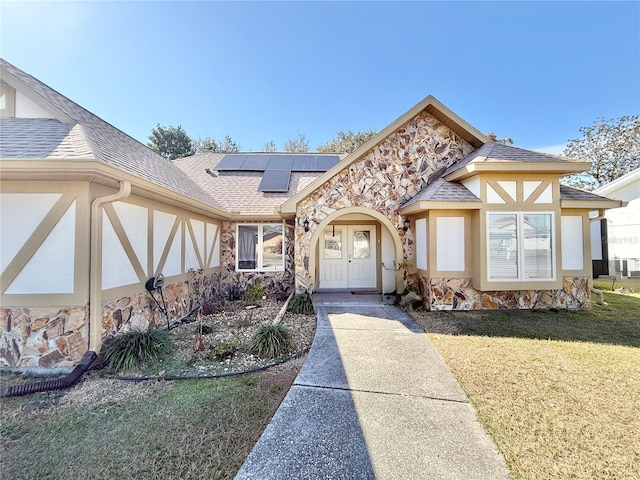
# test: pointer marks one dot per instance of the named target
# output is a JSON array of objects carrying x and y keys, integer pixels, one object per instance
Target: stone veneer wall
[
  {"x": 274, "y": 281},
  {"x": 458, "y": 294},
  {"x": 43, "y": 337},
  {"x": 384, "y": 178}
]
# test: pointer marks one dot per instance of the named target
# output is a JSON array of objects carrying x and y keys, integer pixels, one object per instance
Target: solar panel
[
  {"x": 255, "y": 163},
  {"x": 280, "y": 162},
  {"x": 325, "y": 162},
  {"x": 275, "y": 181},
  {"x": 231, "y": 162},
  {"x": 305, "y": 163}
]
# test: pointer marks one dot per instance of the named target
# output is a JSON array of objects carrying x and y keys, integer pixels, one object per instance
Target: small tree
[
  {"x": 270, "y": 146},
  {"x": 204, "y": 145},
  {"x": 347, "y": 142},
  {"x": 612, "y": 147},
  {"x": 170, "y": 142},
  {"x": 299, "y": 145},
  {"x": 228, "y": 146},
  {"x": 494, "y": 138}
]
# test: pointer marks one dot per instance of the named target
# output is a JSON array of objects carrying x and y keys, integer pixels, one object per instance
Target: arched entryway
[{"x": 356, "y": 249}]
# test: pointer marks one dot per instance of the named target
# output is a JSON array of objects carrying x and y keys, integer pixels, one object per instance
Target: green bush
[
  {"x": 255, "y": 291},
  {"x": 302, "y": 304},
  {"x": 225, "y": 349},
  {"x": 271, "y": 341},
  {"x": 136, "y": 347}
]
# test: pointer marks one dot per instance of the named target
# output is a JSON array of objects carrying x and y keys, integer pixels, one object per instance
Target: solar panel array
[{"x": 276, "y": 169}]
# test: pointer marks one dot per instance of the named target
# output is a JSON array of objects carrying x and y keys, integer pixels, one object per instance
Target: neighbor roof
[{"x": 78, "y": 133}]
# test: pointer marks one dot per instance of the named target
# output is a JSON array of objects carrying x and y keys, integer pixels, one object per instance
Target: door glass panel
[
  {"x": 361, "y": 246},
  {"x": 333, "y": 245}
]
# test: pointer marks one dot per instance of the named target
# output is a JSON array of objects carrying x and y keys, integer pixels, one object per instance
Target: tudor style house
[{"x": 89, "y": 215}]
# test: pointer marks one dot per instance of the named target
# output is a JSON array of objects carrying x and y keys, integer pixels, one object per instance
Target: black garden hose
[{"x": 56, "y": 384}]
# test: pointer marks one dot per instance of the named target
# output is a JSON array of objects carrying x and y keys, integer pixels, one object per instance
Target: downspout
[{"x": 95, "y": 265}]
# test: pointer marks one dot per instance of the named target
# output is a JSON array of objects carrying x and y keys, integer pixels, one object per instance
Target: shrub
[
  {"x": 234, "y": 292},
  {"x": 302, "y": 304},
  {"x": 225, "y": 349},
  {"x": 255, "y": 291},
  {"x": 271, "y": 341},
  {"x": 136, "y": 347},
  {"x": 278, "y": 291}
]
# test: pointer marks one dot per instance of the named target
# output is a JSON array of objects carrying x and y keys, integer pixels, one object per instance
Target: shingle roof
[
  {"x": 498, "y": 152},
  {"x": 571, "y": 193},
  {"x": 443, "y": 191},
  {"x": 238, "y": 192},
  {"x": 101, "y": 141}
]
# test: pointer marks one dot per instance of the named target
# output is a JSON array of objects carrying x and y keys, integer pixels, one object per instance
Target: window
[
  {"x": 260, "y": 247},
  {"x": 521, "y": 246}
]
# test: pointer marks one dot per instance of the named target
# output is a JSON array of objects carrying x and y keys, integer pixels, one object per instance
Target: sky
[{"x": 261, "y": 71}]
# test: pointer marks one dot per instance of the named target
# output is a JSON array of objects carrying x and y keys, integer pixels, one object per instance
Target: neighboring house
[
  {"x": 89, "y": 214},
  {"x": 615, "y": 238}
]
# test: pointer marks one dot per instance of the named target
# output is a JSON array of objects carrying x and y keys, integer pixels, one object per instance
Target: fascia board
[
  {"x": 424, "y": 206},
  {"x": 476, "y": 167},
  {"x": 92, "y": 170},
  {"x": 592, "y": 204}
]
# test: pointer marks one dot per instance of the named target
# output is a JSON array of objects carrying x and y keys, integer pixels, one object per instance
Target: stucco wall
[{"x": 383, "y": 179}]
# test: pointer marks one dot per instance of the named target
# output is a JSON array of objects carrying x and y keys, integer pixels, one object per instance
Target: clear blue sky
[{"x": 535, "y": 71}]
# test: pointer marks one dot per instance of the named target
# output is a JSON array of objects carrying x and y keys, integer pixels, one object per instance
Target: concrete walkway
[{"x": 373, "y": 400}]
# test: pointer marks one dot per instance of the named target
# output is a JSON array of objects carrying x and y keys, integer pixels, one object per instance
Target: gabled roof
[
  {"x": 431, "y": 105},
  {"x": 495, "y": 156},
  {"x": 83, "y": 135}
]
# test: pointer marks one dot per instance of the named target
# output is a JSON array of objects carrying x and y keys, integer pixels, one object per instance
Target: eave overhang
[
  {"x": 426, "y": 205},
  {"x": 95, "y": 171},
  {"x": 593, "y": 204},
  {"x": 477, "y": 167}
]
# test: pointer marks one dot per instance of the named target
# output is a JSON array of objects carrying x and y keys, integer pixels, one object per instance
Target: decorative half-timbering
[{"x": 428, "y": 204}]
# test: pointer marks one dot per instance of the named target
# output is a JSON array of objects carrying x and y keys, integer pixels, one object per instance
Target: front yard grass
[
  {"x": 106, "y": 428},
  {"x": 558, "y": 391}
]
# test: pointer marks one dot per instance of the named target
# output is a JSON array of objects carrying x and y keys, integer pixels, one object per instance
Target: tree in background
[
  {"x": 300, "y": 145},
  {"x": 612, "y": 147},
  {"x": 170, "y": 142},
  {"x": 270, "y": 146},
  {"x": 228, "y": 146},
  {"x": 494, "y": 138},
  {"x": 204, "y": 145},
  {"x": 346, "y": 142}
]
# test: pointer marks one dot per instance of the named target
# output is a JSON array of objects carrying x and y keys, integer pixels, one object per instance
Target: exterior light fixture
[
  {"x": 306, "y": 224},
  {"x": 406, "y": 224}
]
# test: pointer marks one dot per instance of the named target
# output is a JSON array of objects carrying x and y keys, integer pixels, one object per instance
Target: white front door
[{"x": 348, "y": 257}]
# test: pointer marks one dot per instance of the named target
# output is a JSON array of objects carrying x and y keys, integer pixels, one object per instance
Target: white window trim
[
  {"x": 260, "y": 247},
  {"x": 520, "y": 225}
]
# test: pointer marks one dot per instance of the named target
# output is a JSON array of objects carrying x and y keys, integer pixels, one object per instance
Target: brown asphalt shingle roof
[
  {"x": 88, "y": 137},
  {"x": 571, "y": 193},
  {"x": 498, "y": 152},
  {"x": 443, "y": 191},
  {"x": 237, "y": 192}
]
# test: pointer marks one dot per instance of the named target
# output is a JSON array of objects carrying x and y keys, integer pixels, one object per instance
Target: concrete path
[{"x": 373, "y": 400}]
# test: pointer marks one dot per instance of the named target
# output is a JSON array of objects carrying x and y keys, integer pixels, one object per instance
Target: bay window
[
  {"x": 260, "y": 247},
  {"x": 521, "y": 246}
]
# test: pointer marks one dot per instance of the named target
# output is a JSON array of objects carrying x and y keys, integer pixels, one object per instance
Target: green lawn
[
  {"x": 558, "y": 391},
  {"x": 106, "y": 428}
]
